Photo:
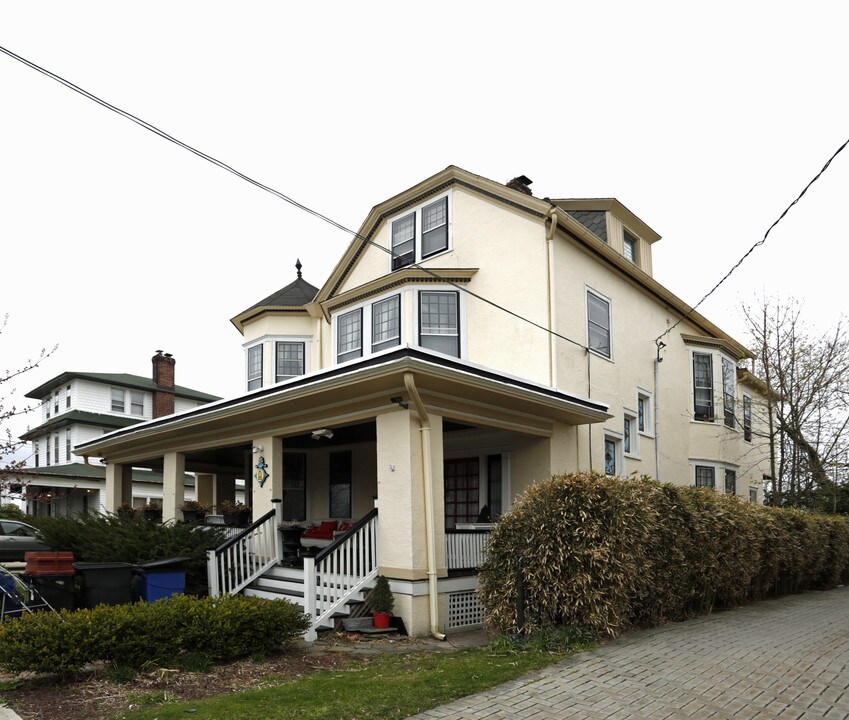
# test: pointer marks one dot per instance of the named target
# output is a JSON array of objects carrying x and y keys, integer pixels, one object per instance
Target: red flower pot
[{"x": 381, "y": 620}]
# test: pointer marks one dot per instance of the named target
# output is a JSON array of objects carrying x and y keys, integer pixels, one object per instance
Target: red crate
[{"x": 49, "y": 563}]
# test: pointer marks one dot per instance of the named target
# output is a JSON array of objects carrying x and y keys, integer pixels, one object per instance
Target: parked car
[{"x": 17, "y": 538}]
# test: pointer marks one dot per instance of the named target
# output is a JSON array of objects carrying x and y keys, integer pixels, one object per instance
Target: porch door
[
  {"x": 462, "y": 491},
  {"x": 294, "y": 486}
]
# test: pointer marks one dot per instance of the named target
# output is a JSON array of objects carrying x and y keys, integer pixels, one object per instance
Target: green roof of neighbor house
[
  {"x": 91, "y": 472},
  {"x": 83, "y": 418},
  {"x": 122, "y": 379}
]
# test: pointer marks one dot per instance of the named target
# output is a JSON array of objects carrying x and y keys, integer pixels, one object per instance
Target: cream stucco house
[{"x": 472, "y": 340}]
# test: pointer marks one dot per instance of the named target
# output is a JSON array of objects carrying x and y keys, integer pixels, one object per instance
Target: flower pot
[
  {"x": 193, "y": 516},
  {"x": 153, "y": 515},
  {"x": 381, "y": 620}
]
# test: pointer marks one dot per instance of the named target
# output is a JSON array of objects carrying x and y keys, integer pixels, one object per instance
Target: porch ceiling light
[
  {"x": 322, "y": 433},
  {"x": 256, "y": 448},
  {"x": 399, "y": 401}
]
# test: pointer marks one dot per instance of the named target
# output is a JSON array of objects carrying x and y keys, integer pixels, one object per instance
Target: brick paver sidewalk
[{"x": 785, "y": 658}]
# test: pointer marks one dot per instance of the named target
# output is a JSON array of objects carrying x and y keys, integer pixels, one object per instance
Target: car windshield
[{"x": 10, "y": 527}]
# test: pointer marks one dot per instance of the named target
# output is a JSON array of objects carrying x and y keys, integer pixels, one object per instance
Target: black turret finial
[{"x": 298, "y": 267}]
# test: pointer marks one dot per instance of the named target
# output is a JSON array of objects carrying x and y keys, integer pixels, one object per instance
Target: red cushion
[
  {"x": 311, "y": 531},
  {"x": 327, "y": 526},
  {"x": 344, "y": 526}
]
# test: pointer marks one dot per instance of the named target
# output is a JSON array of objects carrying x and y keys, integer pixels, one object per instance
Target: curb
[{"x": 7, "y": 713}]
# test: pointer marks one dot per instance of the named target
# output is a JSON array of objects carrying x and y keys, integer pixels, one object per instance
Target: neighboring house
[
  {"x": 472, "y": 340},
  {"x": 77, "y": 407}
]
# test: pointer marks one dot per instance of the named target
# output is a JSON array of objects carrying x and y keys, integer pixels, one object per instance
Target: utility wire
[
  {"x": 156, "y": 131},
  {"x": 659, "y": 340}
]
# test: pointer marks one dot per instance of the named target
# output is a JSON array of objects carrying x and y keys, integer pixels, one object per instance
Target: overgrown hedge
[
  {"x": 112, "y": 538},
  {"x": 148, "y": 633},
  {"x": 606, "y": 553}
]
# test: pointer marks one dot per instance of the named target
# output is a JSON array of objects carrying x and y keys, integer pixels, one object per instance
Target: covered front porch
[{"x": 431, "y": 443}]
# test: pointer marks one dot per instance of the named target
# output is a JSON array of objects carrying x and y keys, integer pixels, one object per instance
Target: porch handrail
[
  {"x": 340, "y": 570},
  {"x": 243, "y": 558},
  {"x": 465, "y": 549}
]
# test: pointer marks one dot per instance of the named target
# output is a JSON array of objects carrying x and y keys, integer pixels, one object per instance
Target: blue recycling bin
[
  {"x": 161, "y": 578},
  {"x": 10, "y": 605}
]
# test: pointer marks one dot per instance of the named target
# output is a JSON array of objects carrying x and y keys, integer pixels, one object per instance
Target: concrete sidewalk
[{"x": 778, "y": 659}]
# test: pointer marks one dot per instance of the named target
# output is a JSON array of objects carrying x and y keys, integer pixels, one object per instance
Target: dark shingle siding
[{"x": 593, "y": 220}]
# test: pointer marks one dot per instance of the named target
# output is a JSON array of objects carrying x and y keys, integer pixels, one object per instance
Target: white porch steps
[{"x": 287, "y": 583}]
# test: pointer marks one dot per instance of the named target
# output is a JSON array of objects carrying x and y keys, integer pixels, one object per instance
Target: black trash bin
[
  {"x": 106, "y": 583},
  {"x": 161, "y": 578},
  {"x": 56, "y": 590}
]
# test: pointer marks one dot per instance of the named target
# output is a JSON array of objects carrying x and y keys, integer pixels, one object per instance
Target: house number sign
[{"x": 261, "y": 475}]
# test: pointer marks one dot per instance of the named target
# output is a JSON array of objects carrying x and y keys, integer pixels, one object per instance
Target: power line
[
  {"x": 156, "y": 131},
  {"x": 658, "y": 340}
]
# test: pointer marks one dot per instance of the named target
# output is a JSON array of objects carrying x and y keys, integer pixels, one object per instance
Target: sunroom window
[{"x": 439, "y": 325}]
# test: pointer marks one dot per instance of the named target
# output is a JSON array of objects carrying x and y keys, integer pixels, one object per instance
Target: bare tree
[
  {"x": 9, "y": 444},
  {"x": 807, "y": 375}
]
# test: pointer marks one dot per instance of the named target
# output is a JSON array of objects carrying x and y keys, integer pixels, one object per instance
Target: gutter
[{"x": 427, "y": 479}]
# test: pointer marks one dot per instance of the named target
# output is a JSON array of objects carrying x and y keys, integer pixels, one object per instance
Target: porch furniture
[{"x": 321, "y": 533}]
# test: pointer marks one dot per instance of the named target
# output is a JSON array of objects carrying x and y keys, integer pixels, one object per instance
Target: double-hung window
[
  {"x": 747, "y": 418},
  {"x": 404, "y": 241},
  {"x": 598, "y": 324},
  {"x": 289, "y": 360},
  {"x": 136, "y": 402},
  {"x": 47, "y": 451},
  {"x": 439, "y": 322},
  {"x": 425, "y": 227},
  {"x": 255, "y": 367},
  {"x": 611, "y": 455},
  {"x": 117, "y": 400},
  {"x": 386, "y": 323},
  {"x": 729, "y": 389},
  {"x": 703, "y": 387},
  {"x": 349, "y": 336},
  {"x": 68, "y": 397}
]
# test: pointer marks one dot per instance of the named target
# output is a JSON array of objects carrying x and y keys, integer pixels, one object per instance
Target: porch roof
[{"x": 351, "y": 393}]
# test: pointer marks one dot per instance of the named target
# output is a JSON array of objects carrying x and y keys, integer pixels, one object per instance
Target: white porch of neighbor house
[{"x": 429, "y": 440}]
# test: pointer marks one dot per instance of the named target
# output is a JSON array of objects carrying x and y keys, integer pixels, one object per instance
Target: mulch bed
[{"x": 92, "y": 696}]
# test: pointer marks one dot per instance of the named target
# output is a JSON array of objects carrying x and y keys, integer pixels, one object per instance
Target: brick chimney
[
  {"x": 163, "y": 381},
  {"x": 522, "y": 184}
]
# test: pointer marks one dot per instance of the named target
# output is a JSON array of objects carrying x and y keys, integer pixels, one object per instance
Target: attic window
[{"x": 421, "y": 233}]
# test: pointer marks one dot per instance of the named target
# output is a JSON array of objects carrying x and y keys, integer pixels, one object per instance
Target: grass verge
[{"x": 387, "y": 686}]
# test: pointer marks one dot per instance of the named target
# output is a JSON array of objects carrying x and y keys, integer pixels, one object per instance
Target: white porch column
[
  {"x": 119, "y": 486},
  {"x": 173, "y": 486},
  {"x": 402, "y": 536},
  {"x": 270, "y": 460}
]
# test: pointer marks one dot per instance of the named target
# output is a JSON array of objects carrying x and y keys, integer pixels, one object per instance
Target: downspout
[
  {"x": 658, "y": 360},
  {"x": 427, "y": 479},
  {"x": 549, "y": 241}
]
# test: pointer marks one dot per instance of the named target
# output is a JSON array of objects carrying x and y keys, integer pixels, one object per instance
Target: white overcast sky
[{"x": 706, "y": 120}]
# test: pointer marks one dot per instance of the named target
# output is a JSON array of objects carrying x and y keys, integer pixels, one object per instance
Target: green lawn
[{"x": 389, "y": 686}]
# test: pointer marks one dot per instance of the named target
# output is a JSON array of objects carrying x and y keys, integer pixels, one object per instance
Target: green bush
[
  {"x": 136, "y": 635},
  {"x": 605, "y": 553},
  {"x": 13, "y": 512},
  {"x": 118, "y": 538}
]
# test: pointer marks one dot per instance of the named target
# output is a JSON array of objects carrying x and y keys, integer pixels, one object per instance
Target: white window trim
[
  {"x": 692, "y": 408},
  {"x": 248, "y": 347},
  {"x": 461, "y": 316},
  {"x": 305, "y": 339},
  {"x": 636, "y": 238},
  {"x": 600, "y": 296},
  {"x": 123, "y": 392},
  {"x": 742, "y": 424},
  {"x": 366, "y": 339},
  {"x": 417, "y": 238}
]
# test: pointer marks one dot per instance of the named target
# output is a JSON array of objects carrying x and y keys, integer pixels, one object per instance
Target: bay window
[
  {"x": 289, "y": 360},
  {"x": 349, "y": 336},
  {"x": 703, "y": 387},
  {"x": 386, "y": 323},
  {"x": 255, "y": 367}
]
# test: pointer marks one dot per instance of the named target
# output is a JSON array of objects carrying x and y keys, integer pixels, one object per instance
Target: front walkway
[{"x": 785, "y": 658}]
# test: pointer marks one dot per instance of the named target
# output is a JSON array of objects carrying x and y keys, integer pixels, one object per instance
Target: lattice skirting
[{"x": 464, "y": 610}]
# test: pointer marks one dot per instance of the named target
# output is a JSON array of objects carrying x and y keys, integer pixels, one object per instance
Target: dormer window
[
  {"x": 630, "y": 247},
  {"x": 420, "y": 234},
  {"x": 117, "y": 395}
]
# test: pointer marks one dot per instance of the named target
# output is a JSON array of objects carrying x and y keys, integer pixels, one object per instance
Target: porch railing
[
  {"x": 465, "y": 549},
  {"x": 339, "y": 571},
  {"x": 243, "y": 558}
]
